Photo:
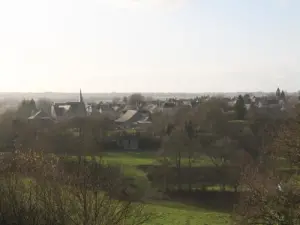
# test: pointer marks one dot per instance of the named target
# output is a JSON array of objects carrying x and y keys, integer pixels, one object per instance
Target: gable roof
[
  {"x": 40, "y": 115},
  {"x": 129, "y": 114},
  {"x": 145, "y": 120},
  {"x": 69, "y": 109}
]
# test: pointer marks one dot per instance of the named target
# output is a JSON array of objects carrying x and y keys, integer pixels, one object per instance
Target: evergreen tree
[
  {"x": 240, "y": 108},
  {"x": 44, "y": 105},
  {"x": 247, "y": 99},
  {"x": 278, "y": 92},
  {"x": 26, "y": 108},
  {"x": 282, "y": 95},
  {"x": 32, "y": 105}
]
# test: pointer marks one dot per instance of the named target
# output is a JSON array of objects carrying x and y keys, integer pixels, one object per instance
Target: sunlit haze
[{"x": 149, "y": 45}]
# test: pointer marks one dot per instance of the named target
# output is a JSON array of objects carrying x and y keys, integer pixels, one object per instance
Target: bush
[
  {"x": 55, "y": 197},
  {"x": 149, "y": 143}
]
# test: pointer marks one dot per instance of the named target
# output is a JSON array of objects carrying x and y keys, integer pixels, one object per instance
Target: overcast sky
[{"x": 149, "y": 45}]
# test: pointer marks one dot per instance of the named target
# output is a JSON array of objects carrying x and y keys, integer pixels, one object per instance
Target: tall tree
[
  {"x": 278, "y": 92},
  {"x": 45, "y": 105},
  {"x": 240, "y": 108},
  {"x": 282, "y": 95},
  {"x": 26, "y": 108},
  {"x": 190, "y": 132},
  {"x": 136, "y": 99},
  {"x": 247, "y": 98},
  {"x": 272, "y": 196},
  {"x": 174, "y": 147}
]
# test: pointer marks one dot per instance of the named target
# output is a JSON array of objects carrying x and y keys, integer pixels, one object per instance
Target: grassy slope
[{"x": 169, "y": 213}]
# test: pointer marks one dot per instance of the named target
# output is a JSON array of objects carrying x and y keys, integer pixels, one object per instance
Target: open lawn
[
  {"x": 148, "y": 158},
  {"x": 170, "y": 213},
  {"x": 135, "y": 159},
  {"x": 130, "y": 158},
  {"x": 166, "y": 212}
]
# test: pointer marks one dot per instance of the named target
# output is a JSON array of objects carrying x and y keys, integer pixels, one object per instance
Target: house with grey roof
[
  {"x": 109, "y": 111},
  {"x": 132, "y": 118},
  {"x": 41, "y": 118},
  {"x": 152, "y": 108}
]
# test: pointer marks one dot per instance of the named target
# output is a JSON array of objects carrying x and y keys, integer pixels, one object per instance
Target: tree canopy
[
  {"x": 136, "y": 99},
  {"x": 26, "y": 108},
  {"x": 240, "y": 108},
  {"x": 44, "y": 104}
]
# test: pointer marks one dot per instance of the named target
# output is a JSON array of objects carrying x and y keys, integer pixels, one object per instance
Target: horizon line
[{"x": 133, "y": 92}]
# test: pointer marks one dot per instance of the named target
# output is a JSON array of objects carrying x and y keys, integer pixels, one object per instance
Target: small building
[{"x": 132, "y": 117}]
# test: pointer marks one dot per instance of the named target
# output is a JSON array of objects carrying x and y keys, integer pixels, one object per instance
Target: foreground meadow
[{"x": 166, "y": 212}]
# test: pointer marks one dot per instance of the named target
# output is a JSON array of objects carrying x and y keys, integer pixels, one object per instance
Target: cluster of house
[
  {"x": 125, "y": 115},
  {"x": 276, "y": 106},
  {"x": 139, "y": 116}
]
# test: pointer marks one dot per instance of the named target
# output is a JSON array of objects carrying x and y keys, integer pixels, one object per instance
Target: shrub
[{"x": 54, "y": 197}]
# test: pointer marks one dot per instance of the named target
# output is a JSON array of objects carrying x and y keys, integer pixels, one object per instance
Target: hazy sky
[{"x": 149, "y": 45}]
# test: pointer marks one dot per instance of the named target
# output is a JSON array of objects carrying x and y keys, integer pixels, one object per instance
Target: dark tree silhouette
[
  {"x": 26, "y": 108},
  {"x": 136, "y": 99},
  {"x": 45, "y": 105},
  {"x": 282, "y": 95},
  {"x": 278, "y": 92},
  {"x": 240, "y": 108}
]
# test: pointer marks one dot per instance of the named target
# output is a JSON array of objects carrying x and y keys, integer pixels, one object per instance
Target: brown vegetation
[
  {"x": 255, "y": 157},
  {"x": 37, "y": 189}
]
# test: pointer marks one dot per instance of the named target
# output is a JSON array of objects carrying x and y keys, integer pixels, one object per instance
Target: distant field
[
  {"x": 131, "y": 158},
  {"x": 146, "y": 158}
]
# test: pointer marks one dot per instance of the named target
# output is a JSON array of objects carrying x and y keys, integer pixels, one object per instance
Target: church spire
[{"x": 80, "y": 97}]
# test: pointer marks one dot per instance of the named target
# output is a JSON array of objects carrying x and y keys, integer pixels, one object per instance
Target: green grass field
[
  {"x": 130, "y": 158},
  {"x": 147, "y": 158},
  {"x": 167, "y": 212}
]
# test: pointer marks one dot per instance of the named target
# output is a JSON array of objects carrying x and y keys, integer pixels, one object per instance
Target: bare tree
[
  {"x": 175, "y": 147},
  {"x": 268, "y": 198},
  {"x": 271, "y": 186},
  {"x": 50, "y": 195},
  {"x": 225, "y": 155}
]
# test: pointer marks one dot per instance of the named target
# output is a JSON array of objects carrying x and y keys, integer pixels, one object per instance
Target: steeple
[{"x": 80, "y": 97}]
